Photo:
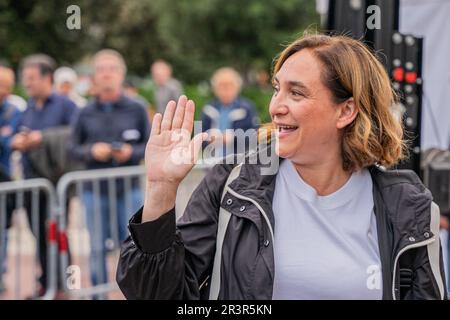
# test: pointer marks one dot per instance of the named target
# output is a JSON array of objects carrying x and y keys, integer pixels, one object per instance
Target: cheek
[
  {"x": 304, "y": 113},
  {"x": 120, "y": 78},
  {"x": 322, "y": 134},
  {"x": 32, "y": 84},
  {"x": 317, "y": 114},
  {"x": 317, "y": 125}
]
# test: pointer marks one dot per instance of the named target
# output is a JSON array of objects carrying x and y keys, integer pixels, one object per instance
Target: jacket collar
[
  {"x": 48, "y": 100},
  {"x": 217, "y": 104},
  {"x": 119, "y": 103},
  {"x": 400, "y": 193}
]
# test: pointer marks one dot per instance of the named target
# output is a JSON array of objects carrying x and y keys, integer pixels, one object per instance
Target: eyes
[
  {"x": 293, "y": 92},
  {"x": 276, "y": 89}
]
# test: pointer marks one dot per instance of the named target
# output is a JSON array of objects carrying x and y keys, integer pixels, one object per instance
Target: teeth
[{"x": 287, "y": 127}]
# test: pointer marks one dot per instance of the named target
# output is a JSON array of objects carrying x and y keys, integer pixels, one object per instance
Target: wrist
[{"x": 160, "y": 197}]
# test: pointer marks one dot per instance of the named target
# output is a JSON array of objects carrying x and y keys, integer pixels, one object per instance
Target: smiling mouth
[{"x": 286, "y": 129}]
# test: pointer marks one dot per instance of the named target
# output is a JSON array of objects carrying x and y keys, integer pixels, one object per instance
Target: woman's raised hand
[{"x": 169, "y": 156}]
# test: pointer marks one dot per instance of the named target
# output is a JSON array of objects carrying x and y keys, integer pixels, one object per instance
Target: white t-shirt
[{"x": 325, "y": 247}]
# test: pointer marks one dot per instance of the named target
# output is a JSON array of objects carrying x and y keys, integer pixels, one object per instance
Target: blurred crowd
[{"x": 60, "y": 130}]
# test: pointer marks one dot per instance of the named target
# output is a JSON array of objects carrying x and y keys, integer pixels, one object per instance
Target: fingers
[
  {"x": 166, "y": 123},
  {"x": 196, "y": 145},
  {"x": 175, "y": 116},
  {"x": 188, "y": 120},
  {"x": 156, "y": 124},
  {"x": 179, "y": 113}
]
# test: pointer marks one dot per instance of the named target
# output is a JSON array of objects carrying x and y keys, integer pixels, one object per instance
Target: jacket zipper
[
  {"x": 266, "y": 218},
  {"x": 411, "y": 246}
]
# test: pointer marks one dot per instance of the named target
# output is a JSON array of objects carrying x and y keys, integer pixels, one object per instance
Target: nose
[{"x": 278, "y": 106}]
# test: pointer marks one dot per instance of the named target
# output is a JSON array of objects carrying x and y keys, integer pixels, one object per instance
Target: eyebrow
[{"x": 294, "y": 84}]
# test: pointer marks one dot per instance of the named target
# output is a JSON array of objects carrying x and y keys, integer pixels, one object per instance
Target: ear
[{"x": 347, "y": 113}]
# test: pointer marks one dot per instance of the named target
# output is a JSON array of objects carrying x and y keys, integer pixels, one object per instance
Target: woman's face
[{"x": 302, "y": 109}]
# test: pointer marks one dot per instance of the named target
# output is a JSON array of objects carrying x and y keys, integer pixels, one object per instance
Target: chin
[{"x": 283, "y": 152}]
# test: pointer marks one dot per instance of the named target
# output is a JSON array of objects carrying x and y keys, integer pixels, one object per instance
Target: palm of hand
[{"x": 170, "y": 153}]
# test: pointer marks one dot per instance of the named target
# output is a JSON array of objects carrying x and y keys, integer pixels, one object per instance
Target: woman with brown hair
[{"x": 330, "y": 223}]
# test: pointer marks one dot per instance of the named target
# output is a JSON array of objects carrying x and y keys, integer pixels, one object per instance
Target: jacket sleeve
[
  {"x": 429, "y": 276},
  {"x": 252, "y": 120},
  {"x": 426, "y": 285},
  {"x": 78, "y": 149},
  {"x": 144, "y": 130},
  {"x": 162, "y": 261},
  {"x": 70, "y": 113},
  {"x": 5, "y": 140}
]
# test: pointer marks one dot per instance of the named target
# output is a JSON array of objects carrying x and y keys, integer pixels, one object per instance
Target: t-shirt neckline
[{"x": 336, "y": 199}]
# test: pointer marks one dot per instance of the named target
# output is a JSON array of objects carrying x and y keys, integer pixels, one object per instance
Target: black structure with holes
[{"x": 401, "y": 55}]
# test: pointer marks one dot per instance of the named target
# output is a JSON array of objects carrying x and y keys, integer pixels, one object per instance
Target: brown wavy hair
[{"x": 350, "y": 69}]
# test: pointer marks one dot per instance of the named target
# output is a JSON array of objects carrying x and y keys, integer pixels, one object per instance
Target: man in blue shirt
[
  {"x": 111, "y": 131},
  {"x": 45, "y": 110}
]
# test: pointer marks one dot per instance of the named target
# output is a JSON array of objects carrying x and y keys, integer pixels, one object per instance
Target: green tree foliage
[
  {"x": 196, "y": 36},
  {"x": 38, "y": 26},
  {"x": 202, "y": 35}
]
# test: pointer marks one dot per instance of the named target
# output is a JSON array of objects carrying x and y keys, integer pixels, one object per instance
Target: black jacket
[
  {"x": 161, "y": 261},
  {"x": 125, "y": 122},
  {"x": 51, "y": 159}
]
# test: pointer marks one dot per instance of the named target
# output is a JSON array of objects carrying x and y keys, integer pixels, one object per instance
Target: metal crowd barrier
[
  {"x": 101, "y": 182},
  {"x": 98, "y": 180},
  {"x": 17, "y": 191}
]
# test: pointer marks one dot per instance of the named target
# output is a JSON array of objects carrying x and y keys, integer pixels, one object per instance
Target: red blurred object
[
  {"x": 52, "y": 231},
  {"x": 398, "y": 74},
  {"x": 63, "y": 242},
  {"x": 411, "y": 77}
]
